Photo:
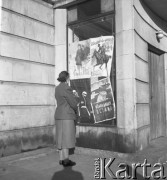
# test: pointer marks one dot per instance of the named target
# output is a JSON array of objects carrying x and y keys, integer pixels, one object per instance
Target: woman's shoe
[{"x": 68, "y": 162}]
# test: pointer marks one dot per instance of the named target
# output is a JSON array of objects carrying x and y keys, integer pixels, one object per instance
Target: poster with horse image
[
  {"x": 101, "y": 53},
  {"x": 102, "y": 101}
]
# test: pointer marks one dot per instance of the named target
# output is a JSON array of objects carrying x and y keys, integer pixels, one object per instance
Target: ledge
[{"x": 66, "y": 3}]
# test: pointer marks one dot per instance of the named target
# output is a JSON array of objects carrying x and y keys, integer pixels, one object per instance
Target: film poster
[
  {"x": 101, "y": 53},
  {"x": 83, "y": 88},
  {"x": 102, "y": 100},
  {"x": 79, "y": 60}
]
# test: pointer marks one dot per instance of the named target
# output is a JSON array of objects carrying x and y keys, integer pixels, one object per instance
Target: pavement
[{"x": 43, "y": 164}]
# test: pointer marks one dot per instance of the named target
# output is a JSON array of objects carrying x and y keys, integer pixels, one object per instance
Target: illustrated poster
[
  {"x": 102, "y": 101},
  {"x": 79, "y": 60},
  {"x": 101, "y": 53}
]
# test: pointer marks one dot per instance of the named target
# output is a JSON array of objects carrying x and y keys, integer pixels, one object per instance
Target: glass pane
[
  {"x": 72, "y": 15},
  {"x": 90, "y": 8},
  {"x": 107, "y": 5},
  {"x": 94, "y": 28}
]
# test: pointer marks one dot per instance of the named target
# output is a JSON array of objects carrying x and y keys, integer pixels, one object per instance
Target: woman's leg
[
  {"x": 61, "y": 155},
  {"x": 65, "y": 153},
  {"x": 66, "y": 161}
]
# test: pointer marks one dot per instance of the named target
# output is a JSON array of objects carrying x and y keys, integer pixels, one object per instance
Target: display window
[{"x": 91, "y": 61}]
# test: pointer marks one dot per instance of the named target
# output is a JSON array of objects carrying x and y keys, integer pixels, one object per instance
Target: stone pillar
[
  {"x": 60, "y": 41},
  {"x": 125, "y": 72},
  {"x": 165, "y": 59}
]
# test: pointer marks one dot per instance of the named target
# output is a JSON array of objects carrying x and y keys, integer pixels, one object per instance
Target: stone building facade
[
  {"x": 27, "y": 68},
  {"x": 34, "y": 49}
]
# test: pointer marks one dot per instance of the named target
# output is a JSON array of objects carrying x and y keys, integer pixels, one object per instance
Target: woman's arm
[{"x": 71, "y": 98}]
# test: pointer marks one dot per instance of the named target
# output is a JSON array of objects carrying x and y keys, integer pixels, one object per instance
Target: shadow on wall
[
  {"x": 158, "y": 21},
  {"x": 23, "y": 140},
  {"x": 111, "y": 141},
  {"x": 66, "y": 174}
]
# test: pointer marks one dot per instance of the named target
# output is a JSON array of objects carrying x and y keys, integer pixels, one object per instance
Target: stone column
[
  {"x": 165, "y": 59},
  {"x": 125, "y": 75},
  {"x": 60, "y": 41}
]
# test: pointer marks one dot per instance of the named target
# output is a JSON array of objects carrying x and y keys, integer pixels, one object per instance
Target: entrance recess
[{"x": 157, "y": 94}]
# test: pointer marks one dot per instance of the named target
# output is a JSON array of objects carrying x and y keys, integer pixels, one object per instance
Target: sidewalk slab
[
  {"x": 155, "y": 152},
  {"x": 43, "y": 164}
]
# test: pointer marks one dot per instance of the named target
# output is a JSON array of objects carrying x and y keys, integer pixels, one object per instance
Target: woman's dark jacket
[{"x": 66, "y": 103}]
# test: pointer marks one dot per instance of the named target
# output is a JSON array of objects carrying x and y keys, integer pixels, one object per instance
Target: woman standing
[{"x": 65, "y": 117}]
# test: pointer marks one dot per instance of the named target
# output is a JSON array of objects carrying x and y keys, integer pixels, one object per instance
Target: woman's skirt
[{"x": 65, "y": 134}]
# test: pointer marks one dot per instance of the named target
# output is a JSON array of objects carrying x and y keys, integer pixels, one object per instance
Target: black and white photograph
[{"x": 83, "y": 89}]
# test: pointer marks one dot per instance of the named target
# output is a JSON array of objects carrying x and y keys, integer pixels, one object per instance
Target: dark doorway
[{"x": 157, "y": 93}]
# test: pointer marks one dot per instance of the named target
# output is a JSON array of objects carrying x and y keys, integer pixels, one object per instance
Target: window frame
[{"x": 112, "y": 13}]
